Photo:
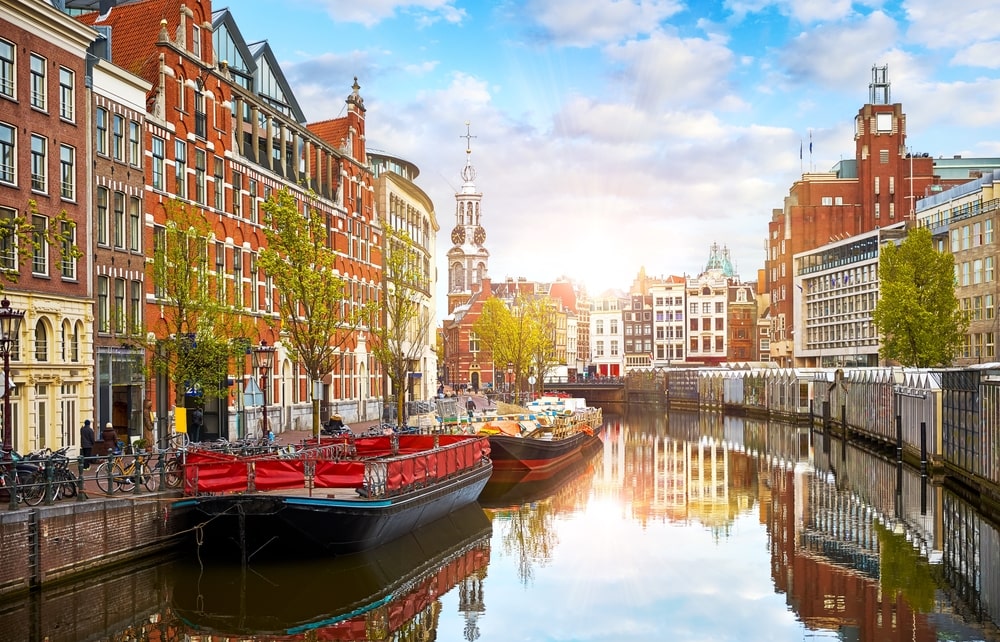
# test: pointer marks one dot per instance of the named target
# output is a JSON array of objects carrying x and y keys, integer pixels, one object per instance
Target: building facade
[{"x": 45, "y": 227}]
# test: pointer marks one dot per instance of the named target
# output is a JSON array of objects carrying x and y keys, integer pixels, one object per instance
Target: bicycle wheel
[
  {"x": 126, "y": 482},
  {"x": 66, "y": 481},
  {"x": 109, "y": 477},
  {"x": 174, "y": 475},
  {"x": 150, "y": 478},
  {"x": 32, "y": 487}
]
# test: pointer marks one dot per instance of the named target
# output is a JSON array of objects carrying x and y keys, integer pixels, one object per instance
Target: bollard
[
  {"x": 12, "y": 486},
  {"x": 923, "y": 448},
  {"x": 49, "y": 486},
  {"x": 137, "y": 472},
  {"x": 81, "y": 463}
]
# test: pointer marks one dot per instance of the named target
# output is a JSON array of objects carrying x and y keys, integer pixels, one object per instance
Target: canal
[{"x": 686, "y": 526}]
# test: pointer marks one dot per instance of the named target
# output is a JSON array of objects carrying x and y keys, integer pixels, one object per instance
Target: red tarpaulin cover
[
  {"x": 272, "y": 474},
  {"x": 340, "y": 474}
]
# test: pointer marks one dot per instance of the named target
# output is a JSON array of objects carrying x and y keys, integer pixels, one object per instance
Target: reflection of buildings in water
[
  {"x": 707, "y": 479},
  {"x": 972, "y": 548},
  {"x": 832, "y": 527}
]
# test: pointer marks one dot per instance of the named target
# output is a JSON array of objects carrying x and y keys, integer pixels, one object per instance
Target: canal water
[{"x": 685, "y": 526}]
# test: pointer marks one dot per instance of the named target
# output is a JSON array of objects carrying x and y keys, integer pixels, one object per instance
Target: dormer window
[{"x": 196, "y": 41}]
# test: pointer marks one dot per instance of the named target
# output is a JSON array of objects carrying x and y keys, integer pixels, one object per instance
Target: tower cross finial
[{"x": 468, "y": 137}]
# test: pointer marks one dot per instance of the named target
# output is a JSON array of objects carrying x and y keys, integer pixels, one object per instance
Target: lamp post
[
  {"x": 510, "y": 373},
  {"x": 10, "y": 325},
  {"x": 263, "y": 356}
]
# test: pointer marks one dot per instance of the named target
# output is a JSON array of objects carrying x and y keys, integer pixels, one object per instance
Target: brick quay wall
[{"x": 49, "y": 544}]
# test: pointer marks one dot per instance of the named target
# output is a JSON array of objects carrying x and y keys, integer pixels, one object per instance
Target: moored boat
[
  {"x": 553, "y": 433},
  {"x": 333, "y": 497},
  {"x": 515, "y": 487}
]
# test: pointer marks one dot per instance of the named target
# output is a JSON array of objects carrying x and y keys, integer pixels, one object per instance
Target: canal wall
[{"x": 47, "y": 544}]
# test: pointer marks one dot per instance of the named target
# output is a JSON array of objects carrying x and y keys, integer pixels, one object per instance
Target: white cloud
[
  {"x": 980, "y": 54},
  {"x": 582, "y": 23},
  {"x": 805, "y": 11},
  {"x": 935, "y": 24},
  {"x": 664, "y": 70}
]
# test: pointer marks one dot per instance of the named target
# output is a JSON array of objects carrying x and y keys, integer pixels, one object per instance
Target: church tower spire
[{"x": 468, "y": 259}]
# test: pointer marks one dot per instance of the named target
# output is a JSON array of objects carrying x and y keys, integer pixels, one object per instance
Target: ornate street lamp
[
  {"x": 263, "y": 357},
  {"x": 10, "y": 325}
]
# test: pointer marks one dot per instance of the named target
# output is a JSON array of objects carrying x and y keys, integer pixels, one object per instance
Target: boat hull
[
  {"x": 523, "y": 454},
  {"x": 295, "y": 524}
]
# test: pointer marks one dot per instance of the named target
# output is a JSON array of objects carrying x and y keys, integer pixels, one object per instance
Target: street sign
[{"x": 532, "y": 380}]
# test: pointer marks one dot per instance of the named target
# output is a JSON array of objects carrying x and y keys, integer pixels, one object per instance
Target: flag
[
  {"x": 800, "y": 149},
  {"x": 810, "y": 143}
]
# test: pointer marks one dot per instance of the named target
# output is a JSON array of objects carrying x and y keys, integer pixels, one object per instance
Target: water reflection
[
  {"x": 685, "y": 526},
  {"x": 371, "y": 595}
]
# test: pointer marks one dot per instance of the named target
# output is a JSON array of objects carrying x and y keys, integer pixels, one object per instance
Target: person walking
[
  {"x": 470, "y": 406},
  {"x": 86, "y": 442}
]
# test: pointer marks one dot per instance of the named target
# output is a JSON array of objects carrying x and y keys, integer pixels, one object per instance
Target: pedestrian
[
  {"x": 470, "y": 406},
  {"x": 196, "y": 420},
  {"x": 110, "y": 438},
  {"x": 86, "y": 442}
]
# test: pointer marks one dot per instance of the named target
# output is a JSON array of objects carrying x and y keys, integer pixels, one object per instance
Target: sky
[{"x": 617, "y": 135}]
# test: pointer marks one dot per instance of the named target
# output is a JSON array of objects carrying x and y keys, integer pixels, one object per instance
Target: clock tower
[{"x": 468, "y": 259}]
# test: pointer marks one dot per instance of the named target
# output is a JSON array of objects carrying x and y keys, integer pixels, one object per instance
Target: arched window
[
  {"x": 41, "y": 342},
  {"x": 74, "y": 350}
]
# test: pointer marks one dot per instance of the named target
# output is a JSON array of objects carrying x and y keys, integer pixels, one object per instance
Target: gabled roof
[
  {"x": 334, "y": 131},
  {"x": 278, "y": 92},
  {"x": 235, "y": 52},
  {"x": 563, "y": 290},
  {"x": 135, "y": 30}
]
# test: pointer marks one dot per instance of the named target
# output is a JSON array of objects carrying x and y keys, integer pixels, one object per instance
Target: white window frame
[
  {"x": 67, "y": 94},
  {"x": 39, "y": 163},
  {"x": 67, "y": 172},
  {"x": 38, "y": 91}
]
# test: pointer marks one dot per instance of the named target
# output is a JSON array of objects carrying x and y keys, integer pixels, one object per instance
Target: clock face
[
  {"x": 458, "y": 235},
  {"x": 479, "y": 236}
]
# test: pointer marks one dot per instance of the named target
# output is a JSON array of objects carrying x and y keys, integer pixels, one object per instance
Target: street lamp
[
  {"x": 510, "y": 372},
  {"x": 10, "y": 325},
  {"x": 263, "y": 356}
]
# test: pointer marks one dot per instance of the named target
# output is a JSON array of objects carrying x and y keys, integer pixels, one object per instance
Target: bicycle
[{"x": 118, "y": 474}]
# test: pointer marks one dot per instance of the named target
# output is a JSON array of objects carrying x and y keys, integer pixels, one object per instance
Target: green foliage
[
  {"x": 19, "y": 240},
  {"x": 401, "y": 334},
  {"x": 917, "y": 313},
  {"x": 195, "y": 327},
  {"x": 903, "y": 571},
  {"x": 521, "y": 335}
]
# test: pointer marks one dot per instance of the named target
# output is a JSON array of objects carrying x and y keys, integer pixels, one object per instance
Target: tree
[
  {"x": 917, "y": 313},
  {"x": 520, "y": 335},
  {"x": 20, "y": 238},
  {"x": 401, "y": 335},
  {"x": 194, "y": 349},
  {"x": 312, "y": 295}
]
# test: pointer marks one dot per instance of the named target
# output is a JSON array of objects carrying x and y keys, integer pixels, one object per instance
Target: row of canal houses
[{"x": 945, "y": 420}]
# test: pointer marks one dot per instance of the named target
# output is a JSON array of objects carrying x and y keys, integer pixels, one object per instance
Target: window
[
  {"x": 39, "y": 161},
  {"x": 103, "y": 312},
  {"x": 119, "y": 220},
  {"x": 599, "y": 326},
  {"x": 68, "y": 268},
  {"x": 180, "y": 166},
  {"x": 41, "y": 342},
  {"x": 614, "y": 326},
  {"x": 883, "y": 156},
  {"x": 181, "y": 91},
  {"x": 37, "y": 81},
  {"x": 135, "y": 309},
  {"x": 159, "y": 250},
  {"x": 988, "y": 231},
  {"x": 237, "y": 277},
  {"x": 102, "y": 216},
  {"x": 237, "y": 192},
  {"x": 988, "y": 269},
  {"x": 8, "y": 153},
  {"x": 101, "y": 119},
  {"x": 219, "y": 173},
  {"x": 883, "y": 123},
  {"x": 40, "y": 253},
  {"x": 599, "y": 349},
  {"x": 67, "y": 93},
  {"x": 158, "y": 163},
  {"x": 134, "y": 133},
  {"x": 199, "y": 176},
  {"x": 220, "y": 270},
  {"x": 196, "y": 41},
  {"x": 6, "y": 69},
  {"x": 954, "y": 241},
  {"x": 252, "y": 185},
  {"x": 614, "y": 348},
  {"x": 826, "y": 200},
  {"x": 200, "y": 120},
  {"x": 8, "y": 240},
  {"x": 119, "y": 310},
  {"x": 67, "y": 171},
  {"x": 134, "y": 224},
  {"x": 118, "y": 137}
]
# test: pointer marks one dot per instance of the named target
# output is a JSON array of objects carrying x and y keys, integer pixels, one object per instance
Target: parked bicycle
[{"x": 121, "y": 472}]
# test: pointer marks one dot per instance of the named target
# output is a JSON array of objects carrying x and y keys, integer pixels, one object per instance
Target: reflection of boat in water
[
  {"x": 515, "y": 487},
  {"x": 341, "y": 597},
  {"x": 340, "y": 496}
]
